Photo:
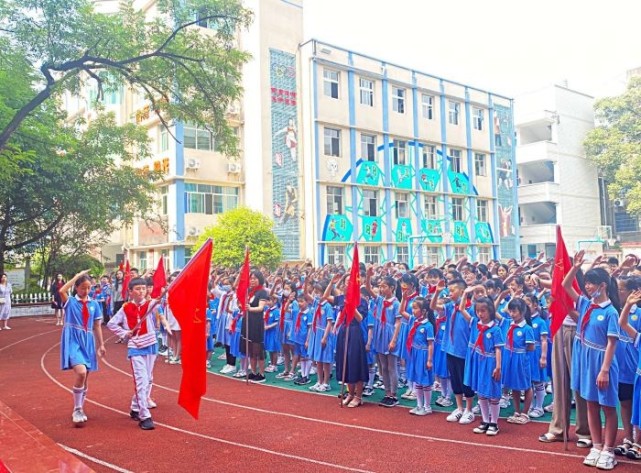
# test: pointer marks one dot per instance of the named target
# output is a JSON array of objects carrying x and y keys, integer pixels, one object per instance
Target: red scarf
[
  {"x": 252, "y": 293},
  {"x": 266, "y": 315},
  {"x": 510, "y": 335},
  {"x": 410, "y": 336},
  {"x": 479, "y": 340},
  {"x": 135, "y": 314},
  {"x": 85, "y": 314},
  {"x": 283, "y": 311},
  {"x": 431, "y": 289},
  {"x": 386, "y": 305},
  {"x": 439, "y": 321},
  {"x": 298, "y": 320},
  {"x": 586, "y": 319},
  {"x": 317, "y": 315},
  {"x": 407, "y": 301}
]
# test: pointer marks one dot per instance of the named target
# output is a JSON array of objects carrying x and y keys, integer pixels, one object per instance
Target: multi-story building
[
  {"x": 557, "y": 184},
  {"x": 336, "y": 147}
]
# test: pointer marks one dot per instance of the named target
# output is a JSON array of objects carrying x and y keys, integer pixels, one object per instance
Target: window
[
  {"x": 431, "y": 254},
  {"x": 458, "y": 252},
  {"x": 399, "y": 152},
  {"x": 481, "y": 211},
  {"x": 197, "y": 138},
  {"x": 142, "y": 260},
  {"x": 477, "y": 118},
  {"x": 334, "y": 200},
  {"x": 402, "y": 254},
  {"x": 480, "y": 168},
  {"x": 368, "y": 147},
  {"x": 402, "y": 205},
  {"x": 454, "y": 111},
  {"x": 429, "y": 156},
  {"x": 455, "y": 154},
  {"x": 427, "y": 103},
  {"x": 398, "y": 99},
  {"x": 332, "y": 142},
  {"x": 203, "y": 21},
  {"x": 209, "y": 200},
  {"x": 367, "y": 91},
  {"x": 484, "y": 253},
  {"x": 188, "y": 254},
  {"x": 164, "y": 139},
  {"x": 370, "y": 203},
  {"x": 336, "y": 254},
  {"x": 371, "y": 254},
  {"x": 330, "y": 83},
  {"x": 431, "y": 207},
  {"x": 457, "y": 209},
  {"x": 164, "y": 199}
]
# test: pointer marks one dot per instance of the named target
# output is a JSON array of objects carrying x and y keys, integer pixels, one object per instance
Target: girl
[
  {"x": 320, "y": 344},
  {"x": 515, "y": 365},
  {"x": 420, "y": 349},
  {"x": 367, "y": 330},
  {"x": 627, "y": 356},
  {"x": 272, "y": 333},
  {"x": 286, "y": 324},
  {"x": 595, "y": 371},
  {"x": 5, "y": 300},
  {"x": 301, "y": 331},
  {"x": 235, "y": 329},
  {"x": 630, "y": 322},
  {"x": 409, "y": 290},
  {"x": 483, "y": 363},
  {"x": 223, "y": 324},
  {"x": 82, "y": 327},
  {"x": 56, "y": 300},
  {"x": 539, "y": 356}
]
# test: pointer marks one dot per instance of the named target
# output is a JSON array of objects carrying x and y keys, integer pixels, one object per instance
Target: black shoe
[
  {"x": 147, "y": 424},
  {"x": 481, "y": 429},
  {"x": 251, "y": 376},
  {"x": 258, "y": 378},
  {"x": 387, "y": 401},
  {"x": 394, "y": 401},
  {"x": 302, "y": 381},
  {"x": 135, "y": 415},
  {"x": 492, "y": 430}
]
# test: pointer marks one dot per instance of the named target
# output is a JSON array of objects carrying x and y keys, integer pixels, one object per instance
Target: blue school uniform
[
  {"x": 405, "y": 329},
  {"x": 290, "y": 312},
  {"x": 234, "y": 340},
  {"x": 440, "y": 357},
  {"x": 589, "y": 350},
  {"x": 626, "y": 353},
  {"x": 417, "y": 371},
  {"x": 636, "y": 397},
  {"x": 211, "y": 317},
  {"x": 457, "y": 331},
  {"x": 316, "y": 350},
  {"x": 77, "y": 344},
  {"x": 301, "y": 330},
  {"x": 366, "y": 324},
  {"x": 540, "y": 328},
  {"x": 272, "y": 335},
  {"x": 515, "y": 363},
  {"x": 384, "y": 330},
  {"x": 480, "y": 361},
  {"x": 223, "y": 320}
]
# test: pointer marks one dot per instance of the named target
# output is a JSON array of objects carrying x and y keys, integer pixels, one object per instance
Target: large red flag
[
  {"x": 125, "y": 281},
  {"x": 160, "y": 279},
  {"x": 188, "y": 302},
  {"x": 243, "y": 283},
  {"x": 562, "y": 303},
  {"x": 353, "y": 290}
]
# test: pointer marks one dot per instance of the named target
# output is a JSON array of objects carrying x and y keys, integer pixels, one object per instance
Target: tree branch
[{"x": 37, "y": 236}]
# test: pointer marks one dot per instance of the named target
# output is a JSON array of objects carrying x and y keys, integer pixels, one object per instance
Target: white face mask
[{"x": 286, "y": 292}]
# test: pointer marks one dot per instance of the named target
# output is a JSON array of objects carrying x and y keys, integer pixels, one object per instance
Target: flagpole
[
  {"x": 566, "y": 407},
  {"x": 246, "y": 327},
  {"x": 344, "y": 360}
]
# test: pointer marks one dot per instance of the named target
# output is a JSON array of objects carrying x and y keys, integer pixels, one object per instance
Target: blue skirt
[
  {"x": 77, "y": 347},
  {"x": 586, "y": 364},
  {"x": 222, "y": 334},
  {"x": 416, "y": 369},
  {"x": 402, "y": 340},
  {"x": 234, "y": 343},
  {"x": 300, "y": 350},
  {"x": 539, "y": 375},
  {"x": 316, "y": 350},
  {"x": 287, "y": 337},
  {"x": 272, "y": 340},
  {"x": 636, "y": 400},
  {"x": 478, "y": 375},
  {"x": 440, "y": 361},
  {"x": 515, "y": 370},
  {"x": 356, "y": 365}
]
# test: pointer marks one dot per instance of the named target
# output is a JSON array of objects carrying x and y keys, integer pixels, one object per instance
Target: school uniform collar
[
  {"x": 536, "y": 314},
  {"x": 521, "y": 324},
  {"x": 603, "y": 304},
  {"x": 490, "y": 324},
  {"x": 80, "y": 300}
]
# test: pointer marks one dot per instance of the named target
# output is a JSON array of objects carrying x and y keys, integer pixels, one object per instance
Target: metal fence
[{"x": 30, "y": 298}]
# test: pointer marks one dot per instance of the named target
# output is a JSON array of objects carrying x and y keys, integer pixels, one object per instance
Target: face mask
[
  {"x": 286, "y": 292},
  {"x": 596, "y": 294}
]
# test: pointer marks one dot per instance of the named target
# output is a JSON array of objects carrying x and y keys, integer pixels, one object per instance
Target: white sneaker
[
  {"x": 151, "y": 404},
  {"x": 504, "y": 402},
  {"x": 548, "y": 388},
  {"x": 444, "y": 402},
  {"x": 466, "y": 418},
  {"x": 455, "y": 416},
  {"x": 606, "y": 461},
  {"x": 315, "y": 387},
  {"x": 476, "y": 409},
  {"x": 549, "y": 408},
  {"x": 426, "y": 410},
  {"x": 536, "y": 413},
  {"x": 77, "y": 417},
  {"x": 84, "y": 416},
  {"x": 208, "y": 364},
  {"x": 270, "y": 369},
  {"x": 280, "y": 360},
  {"x": 407, "y": 394},
  {"x": 224, "y": 369},
  {"x": 416, "y": 411},
  {"x": 592, "y": 458},
  {"x": 326, "y": 387},
  {"x": 312, "y": 370},
  {"x": 240, "y": 374}
]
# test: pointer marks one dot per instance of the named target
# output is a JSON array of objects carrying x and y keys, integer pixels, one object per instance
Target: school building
[{"x": 336, "y": 146}]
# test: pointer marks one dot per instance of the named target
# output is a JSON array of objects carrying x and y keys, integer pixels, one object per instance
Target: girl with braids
[
  {"x": 420, "y": 349},
  {"x": 515, "y": 365},
  {"x": 595, "y": 370}
]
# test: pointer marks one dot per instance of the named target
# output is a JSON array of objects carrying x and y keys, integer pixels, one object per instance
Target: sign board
[{"x": 16, "y": 278}]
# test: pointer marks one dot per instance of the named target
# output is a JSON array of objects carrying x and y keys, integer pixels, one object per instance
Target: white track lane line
[
  {"x": 98, "y": 461},
  {"x": 203, "y": 436},
  {"x": 370, "y": 429},
  {"x": 28, "y": 338}
]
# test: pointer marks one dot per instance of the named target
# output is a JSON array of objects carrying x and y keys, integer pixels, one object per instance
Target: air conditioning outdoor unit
[
  {"x": 233, "y": 168},
  {"x": 619, "y": 202},
  {"x": 193, "y": 231},
  {"x": 193, "y": 163}
]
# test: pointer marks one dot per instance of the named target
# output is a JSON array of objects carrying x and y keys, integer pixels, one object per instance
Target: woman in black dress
[
  {"x": 56, "y": 298},
  {"x": 253, "y": 334}
]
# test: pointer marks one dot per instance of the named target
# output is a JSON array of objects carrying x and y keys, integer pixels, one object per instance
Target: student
[
  {"x": 223, "y": 325},
  {"x": 286, "y": 326},
  {"x": 320, "y": 344},
  {"x": 300, "y": 332},
  {"x": 515, "y": 363},
  {"x": 135, "y": 321},
  {"x": 106, "y": 295},
  {"x": 210, "y": 327},
  {"x": 595, "y": 371},
  {"x": 272, "y": 333},
  {"x": 81, "y": 329},
  {"x": 367, "y": 331},
  {"x": 420, "y": 349},
  {"x": 409, "y": 290},
  {"x": 483, "y": 363},
  {"x": 538, "y": 356}
]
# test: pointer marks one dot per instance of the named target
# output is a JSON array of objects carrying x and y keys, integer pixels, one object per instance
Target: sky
[{"x": 504, "y": 46}]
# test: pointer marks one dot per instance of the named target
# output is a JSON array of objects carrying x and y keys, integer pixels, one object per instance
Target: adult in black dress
[
  {"x": 56, "y": 298},
  {"x": 255, "y": 328}
]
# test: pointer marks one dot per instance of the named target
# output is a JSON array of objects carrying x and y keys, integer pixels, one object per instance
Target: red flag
[
  {"x": 125, "y": 281},
  {"x": 160, "y": 279},
  {"x": 243, "y": 284},
  {"x": 562, "y": 303},
  {"x": 353, "y": 290},
  {"x": 188, "y": 302}
]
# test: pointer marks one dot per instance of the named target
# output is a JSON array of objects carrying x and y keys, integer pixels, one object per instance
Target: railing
[{"x": 30, "y": 298}]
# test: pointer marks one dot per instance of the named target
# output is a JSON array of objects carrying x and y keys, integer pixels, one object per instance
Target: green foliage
[
  {"x": 70, "y": 265},
  {"x": 237, "y": 228},
  {"x": 615, "y": 144}
]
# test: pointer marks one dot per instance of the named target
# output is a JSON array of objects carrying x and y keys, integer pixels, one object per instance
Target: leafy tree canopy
[
  {"x": 615, "y": 144},
  {"x": 237, "y": 228}
]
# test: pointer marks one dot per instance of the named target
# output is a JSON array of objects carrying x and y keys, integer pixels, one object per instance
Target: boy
[{"x": 135, "y": 320}]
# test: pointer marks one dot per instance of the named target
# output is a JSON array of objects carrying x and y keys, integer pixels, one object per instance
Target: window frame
[
  {"x": 458, "y": 209},
  {"x": 331, "y": 85},
  {"x": 370, "y": 196},
  {"x": 371, "y": 254},
  {"x": 430, "y": 207},
  {"x": 366, "y": 92},
  {"x": 427, "y": 106},
  {"x": 334, "y": 141},
  {"x": 399, "y": 95},
  {"x": 482, "y": 210},
  {"x": 429, "y": 156},
  {"x": 453, "y": 112},
  {"x": 399, "y": 153},
  {"x": 399, "y": 198},
  {"x": 365, "y": 147},
  {"x": 480, "y": 164},
  {"x": 456, "y": 158},
  {"x": 478, "y": 117},
  {"x": 332, "y": 198}
]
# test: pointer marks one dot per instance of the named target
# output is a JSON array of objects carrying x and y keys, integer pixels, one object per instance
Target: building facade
[{"x": 557, "y": 184}]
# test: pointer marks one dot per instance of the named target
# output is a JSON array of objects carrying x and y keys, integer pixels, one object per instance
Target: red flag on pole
[
  {"x": 562, "y": 303},
  {"x": 353, "y": 290},
  {"x": 243, "y": 283},
  {"x": 188, "y": 302},
  {"x": 160, "y": 279},
  {"x": 125, "y": 281}
]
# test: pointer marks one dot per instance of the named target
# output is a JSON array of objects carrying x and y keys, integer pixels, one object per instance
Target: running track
[{"x": 242, "y": 427}]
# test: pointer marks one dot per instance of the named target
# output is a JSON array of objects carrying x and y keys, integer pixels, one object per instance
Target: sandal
[
  {"x": 550, "y": 438},
  {"x": 347, "y": 400},
  {"x": 514, "y": 419},
  {"x": 355, "y": 402},
  {"x": 522, "y": 419},
  {"x": 634, "y": 452},
  {"x": 584, "y": 443},
  {"x": 623, "y": 448}
]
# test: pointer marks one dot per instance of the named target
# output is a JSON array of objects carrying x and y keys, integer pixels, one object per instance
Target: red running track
[{"x": 257, "y": 428}]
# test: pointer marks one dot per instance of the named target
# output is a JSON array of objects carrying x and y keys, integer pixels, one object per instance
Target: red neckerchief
[
  {"x": 439, "y": 321},
  {"x": 410, "y": 336},
  {"x": 135, "y": 315},
  {"x": 479, "y": 340},
  {"x": 266, "y": 312},
  {"x": 298, "y": 320},
  {"x": 234, "y": 322},
  {"x": 283, "y": 311},
  {"x": 510, "y": 336},
  {"x": 317, "y": 315},
  {"x": 252, "y": 293},
  {"x": 407, "y": 300},
  {"x": 586, "y": 319},
  {"x": 85, "y": 314},
  {"x": 431, "y": 289},
  {"x": 386, "y": 305}
]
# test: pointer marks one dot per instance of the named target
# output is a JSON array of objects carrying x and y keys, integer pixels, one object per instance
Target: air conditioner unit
[
  {"x": 193, "y": 231},
  {"x": 233, "y": 168},
  {"x": 619, "y": 202},
  {"x": 193, "y": 163}
]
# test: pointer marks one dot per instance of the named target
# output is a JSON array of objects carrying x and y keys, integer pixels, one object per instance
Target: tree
[
  {"x": 615, "y": 144},
  {"x": 237, "y": 228}
]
